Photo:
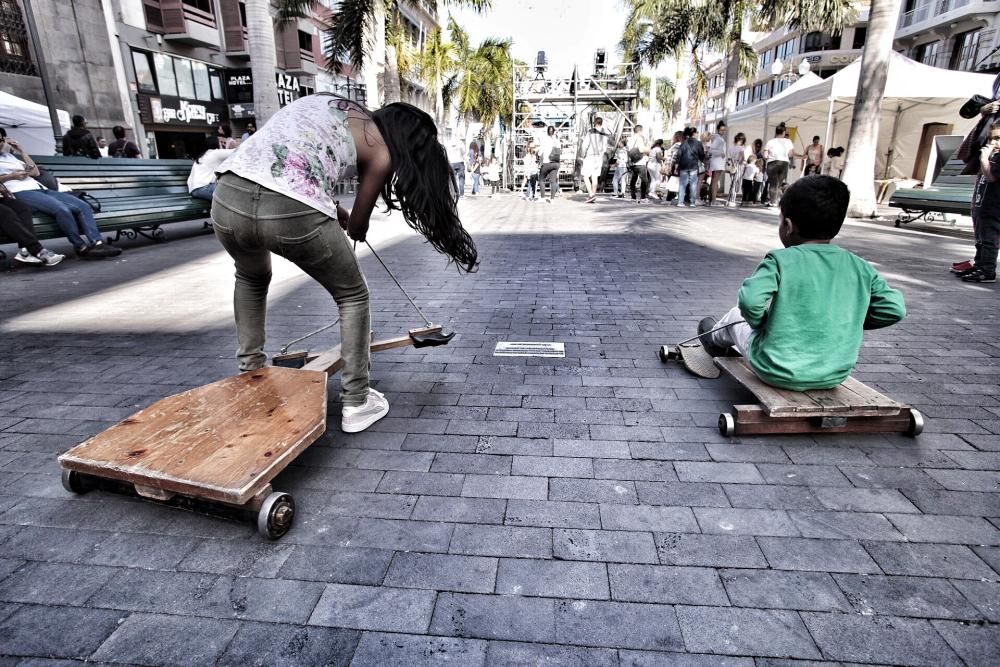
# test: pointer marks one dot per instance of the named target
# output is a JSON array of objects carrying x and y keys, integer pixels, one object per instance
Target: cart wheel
[
  {"x": 727, "y": 425},
  {"x": 916, "y": 424},
  {"x": 74, "y": 481},
  {"x": 276, "y": 515},
  {"x": 897, "y": 223},
  {"x": 664, "y": 353}
]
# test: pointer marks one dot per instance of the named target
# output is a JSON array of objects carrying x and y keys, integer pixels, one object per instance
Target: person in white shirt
[
  {"x": 638, "y": 152},
  {"x": 758, "y": 181},
  {"x": 750, "y": 172},
  {"x": 621, "y": 166},
  {"x": 778, "y": 152},
  {"x": 716, "y": 151},
  {"x": 73, "y": 215},
  {"x": 530, "y": 172},
  {"x": 201, "y": 180},
  {"x": 551, "y": 152},
  {"x": 456, "y": 158},
  {"x": 595, "y": 145}
]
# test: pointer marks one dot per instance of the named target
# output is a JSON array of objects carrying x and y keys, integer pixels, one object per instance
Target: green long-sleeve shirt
[{"x": 808, "y": 305}]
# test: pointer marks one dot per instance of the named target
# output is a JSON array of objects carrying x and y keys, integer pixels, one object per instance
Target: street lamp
[{"x": 778, "y": 70}]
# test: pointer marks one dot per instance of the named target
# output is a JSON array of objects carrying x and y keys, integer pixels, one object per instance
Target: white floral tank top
[{"x": 301, "y": 152}]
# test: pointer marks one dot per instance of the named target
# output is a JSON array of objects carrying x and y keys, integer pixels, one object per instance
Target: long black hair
[{"x": 423, "y": 185}]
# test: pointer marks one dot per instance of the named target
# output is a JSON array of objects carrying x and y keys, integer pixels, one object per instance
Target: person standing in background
[
  {"x": 79, "y": 142},
  {"x": 621, "y": 166},
  {"x": 456, "y": 158},
  {"x": 814, "y": 157},
  {"x": 716, "y": 151},
  {"x": 474, "y": 165},
  {"x": 122, "y": 147},
  {"x": 551, "y": 150},
  {"x": 638, "y": 152}
]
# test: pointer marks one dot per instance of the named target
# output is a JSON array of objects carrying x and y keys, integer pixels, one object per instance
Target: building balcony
[
  {"x": 194, "y": 27},
  {"x": 928, "y": 14}
]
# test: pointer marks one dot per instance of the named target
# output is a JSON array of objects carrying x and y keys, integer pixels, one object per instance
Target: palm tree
[
  {"x": 260, "y": 45},
  {"x": 859, "y": 169},
  {"x": 436, "y": 64},
  {"x": 657, "y": 29},
  {"x": 351, "y": 29}
]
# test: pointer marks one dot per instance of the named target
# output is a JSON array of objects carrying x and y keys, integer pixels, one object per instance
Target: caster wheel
[
  {"x": 276, "y": 515},
  {"x": 74, "y": 481},
  {"x": 916, "y": 424},
  {"x": 664, "y": 353},
  {"x": 727, "y": 425}
]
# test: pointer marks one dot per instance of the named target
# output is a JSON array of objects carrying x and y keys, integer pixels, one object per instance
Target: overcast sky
[{"x": 569, "y": 31}]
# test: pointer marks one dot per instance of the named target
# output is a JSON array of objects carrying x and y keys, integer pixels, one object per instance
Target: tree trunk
[
  {"x": 679, "y": 113},
  {"x": 859, "y": 168},
  {"x": 260, "y": 45},
  {"x": 374, "y": 62},
  {"x": 732, "y": 76},
  {"x": 390, "y": 73}
]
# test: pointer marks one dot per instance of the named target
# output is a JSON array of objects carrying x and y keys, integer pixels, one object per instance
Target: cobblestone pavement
[{"x": 579, "y": 511}]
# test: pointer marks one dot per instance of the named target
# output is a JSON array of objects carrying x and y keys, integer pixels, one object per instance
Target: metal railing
[{"x": 922, "y": 11}]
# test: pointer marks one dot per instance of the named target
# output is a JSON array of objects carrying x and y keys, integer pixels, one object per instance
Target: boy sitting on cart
[{"x": 800, "y": 315}]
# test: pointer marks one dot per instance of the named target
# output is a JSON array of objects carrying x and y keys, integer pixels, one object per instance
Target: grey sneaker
[
  {"x": 50, "y": 258},
  {"x": 26, "y": 257},
  {"x": 358, "y": 418}
]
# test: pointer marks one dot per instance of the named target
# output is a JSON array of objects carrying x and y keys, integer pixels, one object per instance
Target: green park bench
[
  {"x": 950, "y": 192},
  {"x": 137, "y": 197}
]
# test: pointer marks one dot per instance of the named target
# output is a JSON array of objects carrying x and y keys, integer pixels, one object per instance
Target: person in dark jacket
[
  {"x": 79, "y": 142},
  {"x": 122, "y": 147}
]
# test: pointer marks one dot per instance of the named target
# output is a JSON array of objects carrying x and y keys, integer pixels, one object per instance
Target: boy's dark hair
[
  {"x": 78, "y": 120},
  {"x": 721, "y": 124},
  {"x": 817, "y": 205},
  {"x": 816, "y": 138},
  {"x": 995, "y": 124},
  {"x": 689, "y": 132},
  {"x": 780, "y": 130},
  {"x": 598, "y": 121},
  {"x": 118, "y": 131}
]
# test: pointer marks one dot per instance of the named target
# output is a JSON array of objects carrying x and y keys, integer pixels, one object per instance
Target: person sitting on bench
[
  {"x": 800, "y": 315},
  {"x": 202, "y": 179}
]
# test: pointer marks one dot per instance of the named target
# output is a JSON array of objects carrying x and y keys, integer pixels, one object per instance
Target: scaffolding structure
[{"x": 571, "y": 105}]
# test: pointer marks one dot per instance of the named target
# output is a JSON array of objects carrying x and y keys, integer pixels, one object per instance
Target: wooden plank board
[
  {"x": 850, "y": 398},
  {"x": 753, "y": 420},
  {"x": 222, "y": 442}
]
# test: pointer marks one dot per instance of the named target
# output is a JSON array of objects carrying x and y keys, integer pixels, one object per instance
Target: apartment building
[{"x": 952, "y": 34}]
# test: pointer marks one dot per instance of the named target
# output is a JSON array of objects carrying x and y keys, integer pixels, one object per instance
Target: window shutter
[
  {"x": 173, "y": 16},
  {"x": 232, "y": 26},
  {"x": 289, "y": 45}
]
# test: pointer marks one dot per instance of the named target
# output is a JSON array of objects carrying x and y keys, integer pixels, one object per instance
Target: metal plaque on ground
[{"x": 515, "y": 349}]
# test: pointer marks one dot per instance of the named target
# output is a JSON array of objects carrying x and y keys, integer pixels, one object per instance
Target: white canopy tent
[
  {"x": 915, "y": 94},
  {"x": 30, "y": 124}
]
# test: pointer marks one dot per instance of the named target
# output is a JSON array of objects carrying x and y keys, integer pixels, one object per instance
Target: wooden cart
[
  {"x": 851, "y": 407},
  {"x": 217, "y": 448}
]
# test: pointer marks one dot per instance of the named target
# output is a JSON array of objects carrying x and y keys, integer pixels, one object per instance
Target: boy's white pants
[{"x": 738, "y": 335}]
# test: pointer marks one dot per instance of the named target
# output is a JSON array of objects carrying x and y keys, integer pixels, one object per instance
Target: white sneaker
[
  {"x": 50, "y": 258},
  {"x": 24, "y": 256},
  {"x": 358, "y": 418}
]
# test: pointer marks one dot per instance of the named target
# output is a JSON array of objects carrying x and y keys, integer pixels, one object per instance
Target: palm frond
[
  {"x": 348, "y": 31},
  {"x": 830, "y": 16},
  {"x": 448, "y": 89},
  {"x": 290, "y": 11},
  {"x": 699, "y": 79},
  {"x": 748, "y": 62}
]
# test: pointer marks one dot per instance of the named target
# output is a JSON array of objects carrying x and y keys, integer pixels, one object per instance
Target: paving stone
[
  {"x": 947, "y": 529},
  {"x": 604, "y": 545},
  {"x": 690, "y": 494},
  {"x": 747, "y": 453},
  {"x": 826, "y": 455},
  {"x": 891, "y": 478},
  {"x": 929, "y": 560},
  {"x": 652, "y": 471},
  {"x": 985, "y": 595},
  {"x": 167, "y": 640},
  {"x": 666, "y": 585},
  {"x": 552, "y": 514},
  {"x": 708, "y": 550},
  {"x": 557, "y": 466},
  {"x": 605, "y": 449},
  {"x": 841, "y": 525},
  {"x": 374, "y": 608},
  {"x": 772, "y": 497},
  {"x": 817, "y": 555},
  {"x": 377, "y": 648},
  {"x": 460, "y": 510},
  {"x": 883, "y": 639},
  {"x": 865, "y": 500},
  {"x": 8, "y": 565},
  {"x": 593, "y": 490},
  {"x": 617, "y": 624},
  {"x": 965, "y": 503},
  {"x": 496, "y": 486},
  {"x": 648, "y": 518},
  {"x": 402, "y": 535},
  {"x": 990, "y": 555},
  {"x": 337, "y": 564},
  {"x": 547, "y": 578},
  {"x": 745, "y": 522},
  {"x": 263, "y": 645},
  {"x": 421, "y": 483},
  {"x": 480, "y": 464},
  {"x": 439, "y": 443},
  {"x": 739, "y": 473},
  {"x": 656, "y": 659},
  {"x": 507, "y": 541},
  {"x": 905, "y": 596},
  {"x": 391, "y": 460},
  {"x": 802, "y": 475},
  {"x": 56, "y": 632},
  {"x": 745, "y": 632},
  {"x": 511, "y": 653},
  {"x": 669, "y": 451},
  {"x": 776, "y": 589},
  {"x": 54, "y": 583},
  {"x": 442, "y": 572},
  {"x": 494, "y": 617},
  {"x": 976, "y": 644}
]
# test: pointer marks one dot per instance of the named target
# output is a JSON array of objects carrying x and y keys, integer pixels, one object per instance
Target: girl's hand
[
  {"x": 358, "y": 231},
  {"x": 343, "y": 217}
]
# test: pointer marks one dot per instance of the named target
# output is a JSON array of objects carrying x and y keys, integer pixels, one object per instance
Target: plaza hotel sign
[{"x": 239, "y": 91}]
